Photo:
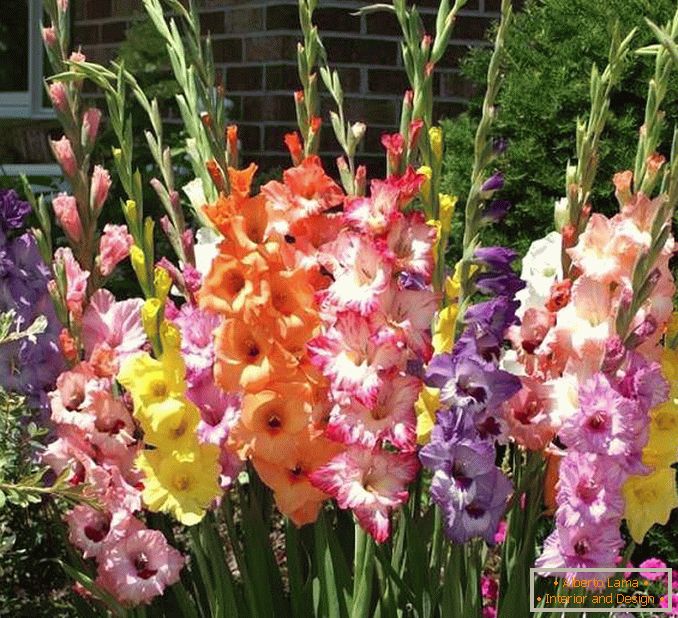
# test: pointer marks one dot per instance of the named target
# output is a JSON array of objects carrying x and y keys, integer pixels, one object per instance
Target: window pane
[{"x": 13, "y": 45}]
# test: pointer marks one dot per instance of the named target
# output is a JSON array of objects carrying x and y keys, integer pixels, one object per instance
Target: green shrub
[{"x": 550, "y": 50}]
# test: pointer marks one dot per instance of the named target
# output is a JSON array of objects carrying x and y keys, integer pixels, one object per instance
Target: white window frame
[{"x": 29, "y": 104}]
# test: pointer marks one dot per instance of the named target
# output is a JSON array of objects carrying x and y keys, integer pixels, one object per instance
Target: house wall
[{"x": 254, "y": 45}]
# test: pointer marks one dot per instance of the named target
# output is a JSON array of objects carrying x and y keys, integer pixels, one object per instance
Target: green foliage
[
  {"x": 32, "y": 584},
  {"x": 550, "y": 50}
]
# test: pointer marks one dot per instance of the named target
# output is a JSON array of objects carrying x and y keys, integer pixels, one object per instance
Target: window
[{"x": 21, "y": 60}]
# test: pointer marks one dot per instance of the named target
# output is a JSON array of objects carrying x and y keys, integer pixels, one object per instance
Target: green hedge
[{"x": 550, "y": 50}]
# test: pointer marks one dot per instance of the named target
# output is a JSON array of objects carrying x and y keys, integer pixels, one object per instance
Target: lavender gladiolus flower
[
  {"x": 495, "y": 211},
  {"x": 493, "y": 183},
  {"x": 13, "y": 211}
]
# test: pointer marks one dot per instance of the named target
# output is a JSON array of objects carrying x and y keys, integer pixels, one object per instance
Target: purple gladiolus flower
[
  {"x": 474, "y": 511},
  {"x": 469, "y": 383},
  {"x": 496, "y": 258},
  {"x": 411, "y": 281},
  {"x": 495, "y": 211},
  {"x": 493, "y": 183},
  {"x": 13, "y": 211},
  {"x": 501, "y": 284}
]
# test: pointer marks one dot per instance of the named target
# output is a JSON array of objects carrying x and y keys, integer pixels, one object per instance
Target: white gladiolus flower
[{"x": 541, "y": 267}]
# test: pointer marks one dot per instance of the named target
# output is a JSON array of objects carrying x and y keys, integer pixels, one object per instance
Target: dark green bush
[{"x": 550, "y": 50}]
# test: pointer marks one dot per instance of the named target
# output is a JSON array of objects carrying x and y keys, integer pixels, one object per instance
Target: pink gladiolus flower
[
  {"x": 76, "y": 280},
  {"x": 116, "y": 324},
  {"x": 370, "y": 482},
  {"x": 63, "y": 152},
  {"x": 351, "y": 359},
  {"x": 91, "y": 530},
  {"x": 90, "y": 123},
  {"x": 66, "y": 212},
  {"x": 392, "y": 418},
  {"x": 59, "y": 96},
  {"x": 101, "y": 183},
  {"x": 114, "y": 247},
  {"x": 63, "y": 5},
  {"x": 49, "y": 36},
  {"x": 139, "y": 567},
  {"x": 77, "y": 56},
  {"x": 652, "y": 563}
]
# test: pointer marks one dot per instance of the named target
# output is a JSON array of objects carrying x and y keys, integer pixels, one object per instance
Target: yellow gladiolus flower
[
  {"x": 151, "y": 381},
  {"x": 163, "y": 283},
  {"x": 426, "y": 408},
  {"x": 170, "y": 424},
  {"x": 170, "y": 336},
  {"x": 182, "y": 486},
  {"x": 435, "y": 224},
  {"x": 447, "y": 206},
  {"x": 130, "y": 210},
  {"x": 426, "y": 185},
  {"x": 444, "y": 330},
  {"x": 435, "y": 136},
  {"x": 150, "y": 313},
  {"x": 136, "y": 256},
  {"x": 664, "y": 431},
  {"x": 649, "y": 500}
]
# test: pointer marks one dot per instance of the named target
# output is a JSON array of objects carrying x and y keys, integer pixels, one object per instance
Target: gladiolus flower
[
  {"x": 66, "y": 212},
  {"x": 59, "y": 96},
  {"x": 90, "y": 123},
  {"x": 101, "y": 183},
  {"x": 114, "y": 246},
  {"x": 63, "y": 151}
]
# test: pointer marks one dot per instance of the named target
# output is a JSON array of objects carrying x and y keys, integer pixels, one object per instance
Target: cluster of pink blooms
[
  {"x": 96, "y": 444},
  {"x": 589, "y": 387},
  {"x": 377, "y": 313}
]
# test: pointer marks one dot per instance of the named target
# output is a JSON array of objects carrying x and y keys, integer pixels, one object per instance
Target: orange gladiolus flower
[
  {"x": 248, "y": 357},
  {"x": 288, "y": 478},
  {"x": 233, "y": 286},
  {"x": 241, "y": 181}
]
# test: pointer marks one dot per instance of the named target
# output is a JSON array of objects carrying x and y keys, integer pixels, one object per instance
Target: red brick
[
  {"x": 263, "y": 48},
  {"x": 214, "y": 23},
  {"x": 454, "y": 85},
  {"x": 447, "y": 109},
  {"x": 250, "y": 137},
  {"x": 382, "y": 111},
  {"x": 389, "y": 81},
  {"x": 274, "y": 107},
  {"x": 244, "y": 20},
  {"x": 97, "y": 9},
  {"x": 274, "y": 136},
  {"x": 244, "y": 78},
  {"x": 227, "y": 50},
  {"x": 361, "y": 50},
  {"x": 114, "y": 32},
  {"x": 85, "y": 35},
  {"x": 336, "y": 20},
  {"x": 469, "y": 27},
  {"x": 282, "y": 17}
]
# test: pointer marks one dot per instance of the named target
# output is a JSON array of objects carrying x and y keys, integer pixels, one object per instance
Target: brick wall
[{"x": 255, "y": 49}]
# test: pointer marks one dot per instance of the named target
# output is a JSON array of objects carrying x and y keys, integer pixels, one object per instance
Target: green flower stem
[
  {"x": 644, "y": 276},
  {"x": 580, "y": 177},
  {"x": 650, "y": 134},
  {"x": 363, "y": 574},
  {"x": 482, "y": 156}
]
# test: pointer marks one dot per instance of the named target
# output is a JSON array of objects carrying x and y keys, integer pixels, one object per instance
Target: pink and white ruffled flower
[
  {"x": 410, "y": 241},
  {"x": 66, "y": 211},
  {"x": 596, "y": 252},
  {"x": 139, "y": 567},
  {"x": 115, "y": 323},
  {"x": 391, "y": 419},
  {"x": 405, "y": 316},
  {"x": 361, "y": 270},
  {"x": 374, "y": 214},
  {"x": 369, "y": 482},
  {"x": 354, "y": 362}
]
